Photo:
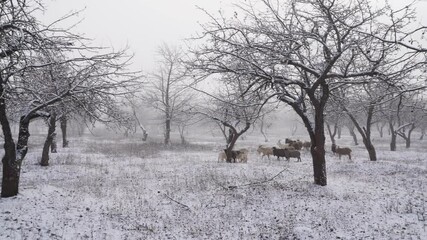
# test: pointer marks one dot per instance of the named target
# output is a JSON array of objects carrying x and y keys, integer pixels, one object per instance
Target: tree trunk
[
  {"x": 63, "y": 123},
  {"x": 353, "y": 134},
  {"x": 181, "y": 129},
  {"x": 371, "y": 149},
  {"x": 144, "y": 131},
  {"x": 408, "y": 142},
  {"x": 10, "y": 180},
  {"x": 317, "y": 134},
  {"x": 53, "y": 146},
  {"x": 318, "y": 149},
  {"x": 408, "y": 139},
  {"x": 12, "y": 159},
  {"x": 423, "y": 132},
  {"x": 230, "y": 148},
  {"x": 380, "y": 128},
  {"x": 144, "y": 135},
  {"x": 232, "y": 139},
  {"x": 393, "y": 136},
  {"x": 262, "y": 130},
  {"x": 367, "y": 140},
  {"x": 11, "y": 172},
  {"x": 167, "y": 130},
  {"x": 393, "y": 142},
  {"x": 332, "y": 134},
  {"x": 339, "y": 132},
  {"x": 48, "y": 142},
  {"x": 365, "y": 132}
]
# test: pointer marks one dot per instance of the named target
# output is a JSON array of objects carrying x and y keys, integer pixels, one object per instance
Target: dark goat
[
  {"x": 286, "y": 153},
  {"x": 292, "y": 154},
  {"x": 341, "y": 151},
  {"x": 278, "y": 152}
]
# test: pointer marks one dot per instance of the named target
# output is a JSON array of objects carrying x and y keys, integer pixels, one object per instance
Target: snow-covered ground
[{"x": 125, "y": 189}]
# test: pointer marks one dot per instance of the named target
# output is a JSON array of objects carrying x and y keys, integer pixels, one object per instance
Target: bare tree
[
  {"x": 51, "y": 122},
  {"x": 333, "y": 119},
  {"x": 361, "y": 103},
  {"x": 133, "y": 105},
  {"x": 409, "y": 115},
  {"x": 168, "y": 90},
  {"x": 264, "y": 125},
  {"x": 351, "y": 128},
  {"x": 233, "y": 109},
  {"x": 184, "y": 120}
]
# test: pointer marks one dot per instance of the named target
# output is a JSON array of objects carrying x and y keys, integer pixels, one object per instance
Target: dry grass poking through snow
[{"x": 132, "y": 190}]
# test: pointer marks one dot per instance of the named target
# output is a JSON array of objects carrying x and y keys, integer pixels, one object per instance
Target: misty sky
[
  {"x": 141, "y": 24},
  {"x": 145, "y": 24}
]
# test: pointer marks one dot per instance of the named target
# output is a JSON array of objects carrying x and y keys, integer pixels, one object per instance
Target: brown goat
[
  {"x": 341, "y": 151},
  {"x": 265, "y": 151}
]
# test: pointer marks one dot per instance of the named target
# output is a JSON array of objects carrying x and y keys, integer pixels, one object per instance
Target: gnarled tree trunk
[
  {"x": 318, "y": 149},
  {"x": 10, "y": 179},
  {"x": 317, "y": 133},
  {"x": 332, "y": 134},
  {"x": 365, "y": 132},
  {"x": 393, "y": 136},
  {"x": 353, "y": 134},
  {"x": 12, "y": 159},
  {"x": 167, "y": 131},
  {"x": 181, "y": 129},
  {"x": 63, "y": 123},
  {"x": 49, "y": 139},
  {"x": 232, "y": 139}
]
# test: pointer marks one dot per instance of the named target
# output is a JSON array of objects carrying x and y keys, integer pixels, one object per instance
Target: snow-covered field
[{"x": 125, "y": 189}]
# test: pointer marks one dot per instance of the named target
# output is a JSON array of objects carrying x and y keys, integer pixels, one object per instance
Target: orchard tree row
[{"x": 51, "y": 73}]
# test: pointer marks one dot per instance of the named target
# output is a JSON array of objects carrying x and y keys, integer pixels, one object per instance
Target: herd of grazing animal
[{"x": 291, "y": 149}]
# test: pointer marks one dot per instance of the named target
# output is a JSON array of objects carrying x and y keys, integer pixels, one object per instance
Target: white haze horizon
[{"x": 144, "y": 25}]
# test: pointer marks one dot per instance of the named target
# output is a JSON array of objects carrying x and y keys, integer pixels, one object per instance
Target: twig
[
  {"x": 260, "y": 182},
  {"x": 218, "y": 183},
  {"x": 181, "y": 204}
]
